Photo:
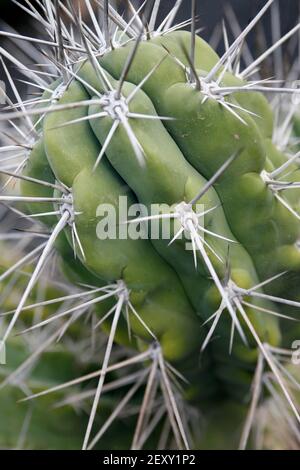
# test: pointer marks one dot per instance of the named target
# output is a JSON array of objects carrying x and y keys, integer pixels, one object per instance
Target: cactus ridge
[{"x": 155, "y": 116}]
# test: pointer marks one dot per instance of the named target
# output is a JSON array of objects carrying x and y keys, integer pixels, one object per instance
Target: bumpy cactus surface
[{"x": 154, "y": 117}]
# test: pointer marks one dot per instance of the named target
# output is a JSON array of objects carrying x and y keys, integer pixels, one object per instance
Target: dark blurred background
[{"x": 211, "y": 11}]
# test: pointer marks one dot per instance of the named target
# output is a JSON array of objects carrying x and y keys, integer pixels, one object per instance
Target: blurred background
[{"x": 211, "y": 11}]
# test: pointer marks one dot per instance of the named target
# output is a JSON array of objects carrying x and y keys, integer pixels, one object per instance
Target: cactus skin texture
[{"x": 150, "y": 122}]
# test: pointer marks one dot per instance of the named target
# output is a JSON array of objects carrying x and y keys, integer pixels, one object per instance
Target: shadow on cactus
[{"x": 185, "y": 307}]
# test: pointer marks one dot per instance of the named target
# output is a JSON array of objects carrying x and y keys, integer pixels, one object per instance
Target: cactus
[{"x": 155, "y": 117}]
